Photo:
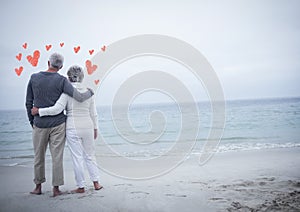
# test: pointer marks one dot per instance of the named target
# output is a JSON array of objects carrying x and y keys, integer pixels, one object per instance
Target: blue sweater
[{"x": 43, "y": 90}]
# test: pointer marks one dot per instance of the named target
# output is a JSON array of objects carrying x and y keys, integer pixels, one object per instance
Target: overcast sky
[{"x": 253, "y": 45}]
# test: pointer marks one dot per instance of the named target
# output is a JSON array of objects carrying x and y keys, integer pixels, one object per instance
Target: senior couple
[{"x": 48, "y": 95}]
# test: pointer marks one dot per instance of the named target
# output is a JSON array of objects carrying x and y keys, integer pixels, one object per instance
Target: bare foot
[
  {"x": 56, "y": 191},
  {"x": 97, "y": 186},
  {"x": 37, "y": 190},
  {"x": 78, "y": 190}
]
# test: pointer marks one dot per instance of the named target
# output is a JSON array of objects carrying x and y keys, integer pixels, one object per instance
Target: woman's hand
[
  {"x": 95, "y": 133},
  {"x": 34, "y": 111}
]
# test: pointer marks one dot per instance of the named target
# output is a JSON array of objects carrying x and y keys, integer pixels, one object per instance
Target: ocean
[{"x": 251, "y": 125}]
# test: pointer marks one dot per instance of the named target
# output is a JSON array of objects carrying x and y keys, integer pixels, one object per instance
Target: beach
[
  {"x": 256, "y": 167},
  {"x": 260, "y": 180},
  {"x": 198, "y": 105}
]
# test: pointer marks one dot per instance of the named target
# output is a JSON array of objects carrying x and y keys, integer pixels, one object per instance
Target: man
[{"x": 43, "y": 90}]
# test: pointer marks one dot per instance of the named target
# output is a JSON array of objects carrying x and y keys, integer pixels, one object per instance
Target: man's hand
[
  {"x": 95, "y": 133},
  {"x": 34, "y": 111},
  {"x": 91, "y": 90}
]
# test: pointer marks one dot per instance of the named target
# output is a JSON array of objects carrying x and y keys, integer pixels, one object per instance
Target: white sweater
[{"x": 79, "y": 115}]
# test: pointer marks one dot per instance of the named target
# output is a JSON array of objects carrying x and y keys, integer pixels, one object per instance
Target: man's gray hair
[
  {"x": 56, "y": 61},
  {"x": 75, "y": 74}
]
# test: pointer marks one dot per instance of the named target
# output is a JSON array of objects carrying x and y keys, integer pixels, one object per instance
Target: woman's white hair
[
  {"x": 75, "y": 74},
  {"x": 56, "y": 61}
]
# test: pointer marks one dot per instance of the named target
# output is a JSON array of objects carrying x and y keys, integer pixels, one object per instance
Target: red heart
[
  {"x": 19, "y": 56},
  {"x": 103, "y": 48},
  {"x": 48, "y": 47},
  {"x": 19, "y": 70},
  {"x": 76, "y": 49},
  {"x": 91, "y": 51},
  {"x": 90, "y": 68},
  {"x": 29, "y": 58},
  {"x": 33, "y": 60},
  {"x": 96, "y": 81},
  {"x": 24, "y": 45},
  {"x": 62, "y": 44}
]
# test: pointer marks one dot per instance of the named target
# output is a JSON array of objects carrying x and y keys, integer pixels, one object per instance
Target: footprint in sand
[
  {"x": 174, "y": 195},
  {"x": 198, "y": 182},
  {"x": 294, "y": 183},
  {"x": 262, "y": 183},
  {"x": 216, "y": 198},
  {"x": 245, "y": 183},
  {"x": 123, "y": 184},
  {"x": 267, "y": 178},
  {"x": 139, "y": 192}
]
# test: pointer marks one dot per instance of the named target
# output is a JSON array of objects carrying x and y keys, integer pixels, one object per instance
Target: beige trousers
[{"x": 55, "y": 137}]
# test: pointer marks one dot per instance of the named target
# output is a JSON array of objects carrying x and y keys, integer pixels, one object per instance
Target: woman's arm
[
  {"x": 94, "y": 116},
  {"x": 59, "y": 106}
]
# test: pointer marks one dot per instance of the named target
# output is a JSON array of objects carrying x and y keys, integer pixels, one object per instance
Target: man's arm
[
  {"x": 71, "y": 91},
  {"x": 29, "y": 102}
]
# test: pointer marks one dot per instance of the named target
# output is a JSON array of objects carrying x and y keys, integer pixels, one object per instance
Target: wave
[
  {"x": 234, "y": 138},
  {"x": 17, "y": 157},
  {"x": 16, "y": 131},
  {"x": 146, "y": 153},
  {"x": 10, "y": 164},
  {"x": 251, "y": 146},
  {"x": 16, "y": 150}
]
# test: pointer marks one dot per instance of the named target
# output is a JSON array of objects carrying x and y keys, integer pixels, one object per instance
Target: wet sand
[{"x": 262, "y": 180}]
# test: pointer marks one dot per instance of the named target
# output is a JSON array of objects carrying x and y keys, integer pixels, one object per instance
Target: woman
[{"x": 81, "y": 129}]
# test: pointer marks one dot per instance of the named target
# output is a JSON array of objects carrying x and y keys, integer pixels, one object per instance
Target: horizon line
[{"x": 166, "y": 103}]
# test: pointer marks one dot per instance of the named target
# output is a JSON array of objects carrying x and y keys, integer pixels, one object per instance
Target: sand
[{"x": 262, "y": 180}]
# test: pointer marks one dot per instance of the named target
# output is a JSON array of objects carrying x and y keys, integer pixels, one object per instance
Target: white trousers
[{"x": 82, "y": 147}]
